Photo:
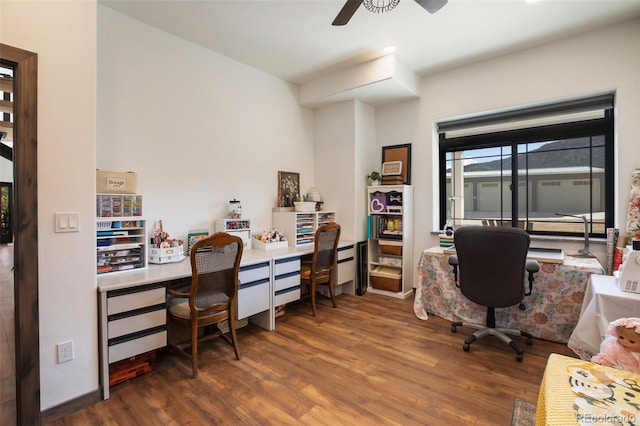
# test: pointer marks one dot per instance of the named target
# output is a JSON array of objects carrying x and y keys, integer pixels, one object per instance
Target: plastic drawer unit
[
  {"x": 253, "y": 293},
  {"x": 286, "y": 279}
]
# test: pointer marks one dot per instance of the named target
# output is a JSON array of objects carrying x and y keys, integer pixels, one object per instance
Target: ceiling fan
[{"x": 350, "y": 7}]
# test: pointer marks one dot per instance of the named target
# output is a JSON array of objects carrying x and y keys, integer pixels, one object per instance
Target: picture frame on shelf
[
  {"x": 401, "y": 153},
  {"x": 288, "y": 188}
]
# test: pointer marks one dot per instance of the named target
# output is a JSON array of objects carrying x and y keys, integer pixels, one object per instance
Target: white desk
[
  {"x": 603, "y": 302},
  {"x": 132, "y": 303}
]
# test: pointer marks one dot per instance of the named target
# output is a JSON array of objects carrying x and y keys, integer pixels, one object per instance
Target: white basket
[
  {"x": 166, "y": 255},
  {"x": 257, "y": 244}
]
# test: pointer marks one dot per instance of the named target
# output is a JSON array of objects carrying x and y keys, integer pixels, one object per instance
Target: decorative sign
[
  {"x": 392, "y": 168},
  {"x": 116, "y": 183},
  {"x": 378, "y": 202}
]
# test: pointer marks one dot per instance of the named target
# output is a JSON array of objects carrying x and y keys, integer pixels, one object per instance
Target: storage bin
[
  {"x": 386, "y": 278},
  {"x": 390, "y": 261},
  {"x": 257, "y": 244},
  {"x": 166, "y": 255},
  {"x": 393, "y": 248},
  {"x": 109, "y": 182}
]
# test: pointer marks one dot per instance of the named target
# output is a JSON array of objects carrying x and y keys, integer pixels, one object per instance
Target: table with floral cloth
[{"x": 552, "y": 309}]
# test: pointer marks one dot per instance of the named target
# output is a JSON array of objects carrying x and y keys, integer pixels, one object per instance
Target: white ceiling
[{"x": 294, "y": 39}]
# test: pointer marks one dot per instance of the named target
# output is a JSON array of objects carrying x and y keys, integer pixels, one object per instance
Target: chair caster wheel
[
  {"x": 453, "y": 328},
  {"x": 465, "y": 347},
  {"x": 519, "y": 357}
]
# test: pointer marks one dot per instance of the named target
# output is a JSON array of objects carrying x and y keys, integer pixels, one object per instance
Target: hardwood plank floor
[{"x": 369, "y": 362}]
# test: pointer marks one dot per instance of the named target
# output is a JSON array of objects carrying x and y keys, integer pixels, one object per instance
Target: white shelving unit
[
  {"x": 390, "y": 240},
  {"x": 238, "y": 227},
  {"x": 121, "y": 233},
  {"x": 300, "y": 227}
]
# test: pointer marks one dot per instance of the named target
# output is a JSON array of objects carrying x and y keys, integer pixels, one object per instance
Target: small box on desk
[
  {"x": 166, "y": 255},
  {"x": 386, "y": 278},
  {"x": 257, "y": 244}
]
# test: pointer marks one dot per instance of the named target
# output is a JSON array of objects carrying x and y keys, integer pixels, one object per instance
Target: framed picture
[
  {"x": 392, "y": 168},
  {"x": 288, "y": 188},
  {"x": 400, "y": 153}
]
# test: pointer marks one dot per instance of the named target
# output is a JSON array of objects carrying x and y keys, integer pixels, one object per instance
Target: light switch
[{"x": 66, "y": 222}]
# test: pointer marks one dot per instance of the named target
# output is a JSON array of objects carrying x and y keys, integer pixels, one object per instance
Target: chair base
[{"x": 500, "y": 333}]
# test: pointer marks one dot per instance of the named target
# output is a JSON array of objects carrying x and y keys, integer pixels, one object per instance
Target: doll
[{"x": 621, "y": 345}]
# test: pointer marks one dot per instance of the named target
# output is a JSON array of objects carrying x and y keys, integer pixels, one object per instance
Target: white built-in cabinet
[{"x": 390, "y": 240}]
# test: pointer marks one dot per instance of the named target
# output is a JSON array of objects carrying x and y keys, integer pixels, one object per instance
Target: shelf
[
  {"x": 390, "y": 247},
  {"x": 300, "y": 227},
  {"x": 120, "y": 238}
]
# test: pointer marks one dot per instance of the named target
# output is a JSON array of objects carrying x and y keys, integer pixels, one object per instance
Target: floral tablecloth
[{"x": 553, "y": 308}]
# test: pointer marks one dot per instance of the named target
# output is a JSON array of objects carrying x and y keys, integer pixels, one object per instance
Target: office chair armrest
[
  {"x": 532, "y": 266},
  {"x": 453, "y": 261}
]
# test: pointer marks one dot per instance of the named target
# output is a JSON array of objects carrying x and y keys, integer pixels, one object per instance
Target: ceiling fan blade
[
  {"x": 347, "y": 12},
  {"x": 432, "y": 6}
]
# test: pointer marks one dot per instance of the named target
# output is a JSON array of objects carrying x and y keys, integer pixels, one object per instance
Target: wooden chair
[
  {"x": 211, "y": 297},
  {"x": 322, "y": 267}
]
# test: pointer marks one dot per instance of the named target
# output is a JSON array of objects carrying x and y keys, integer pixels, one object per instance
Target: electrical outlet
[{"x": 65, "y": 351}]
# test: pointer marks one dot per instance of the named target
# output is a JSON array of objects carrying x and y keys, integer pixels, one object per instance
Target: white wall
[
  {"x": 198, "y": 128},
  {"x": 63, "y": 34},
  {"x": 6, "y": 170},
  {"x": 608, "y": 59},
  {"x": 345, "y": 150}
]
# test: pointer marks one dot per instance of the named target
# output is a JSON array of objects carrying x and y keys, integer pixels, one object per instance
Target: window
[{"x": 546, "y": 169}]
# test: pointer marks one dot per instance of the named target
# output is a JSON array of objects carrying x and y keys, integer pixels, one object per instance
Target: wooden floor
[{"x": 369, "y": 362}]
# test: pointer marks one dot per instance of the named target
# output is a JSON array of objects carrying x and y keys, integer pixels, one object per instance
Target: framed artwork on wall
[
  {"x": 400, "y": 153},
  {"x": 288, "y": 188}
]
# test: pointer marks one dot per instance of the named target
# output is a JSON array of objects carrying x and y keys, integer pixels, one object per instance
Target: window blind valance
[{"x": 531, "y": 116}]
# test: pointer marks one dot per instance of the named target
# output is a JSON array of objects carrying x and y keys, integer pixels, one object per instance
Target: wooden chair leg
[
  {"x": 312, "y": 290},
  {"x": 333, "y": 300},
  {"x": 232, "y": 330},
  {"x": 194, "y": 349}
]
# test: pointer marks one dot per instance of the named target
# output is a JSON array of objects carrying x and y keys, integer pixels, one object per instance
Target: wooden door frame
[{"x": 25, "y": 278}]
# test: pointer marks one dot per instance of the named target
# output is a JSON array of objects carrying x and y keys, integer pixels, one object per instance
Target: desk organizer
[
  {"x": 166, "y": 255},
  {"x": 257, "y": 244}
]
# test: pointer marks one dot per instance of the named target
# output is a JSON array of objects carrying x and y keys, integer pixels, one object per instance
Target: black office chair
[{"x": 492, "y": 262}]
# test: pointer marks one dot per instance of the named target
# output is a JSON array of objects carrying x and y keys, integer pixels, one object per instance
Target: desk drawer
[
  {"x": 134, "y": 300},
  {"x": 135, "y": 323},
  {"x": 253, "y": 273},
  {"x": 289, "y": 295},
  {"x": 346, "y": 271},
  {"x": 283, "y": 282},
  {"x": 133, "y": 347},
  {"x": 253, "y": 298},
  {"x": 285, "y": 266},
  {"x": 346, "y": 253}
]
